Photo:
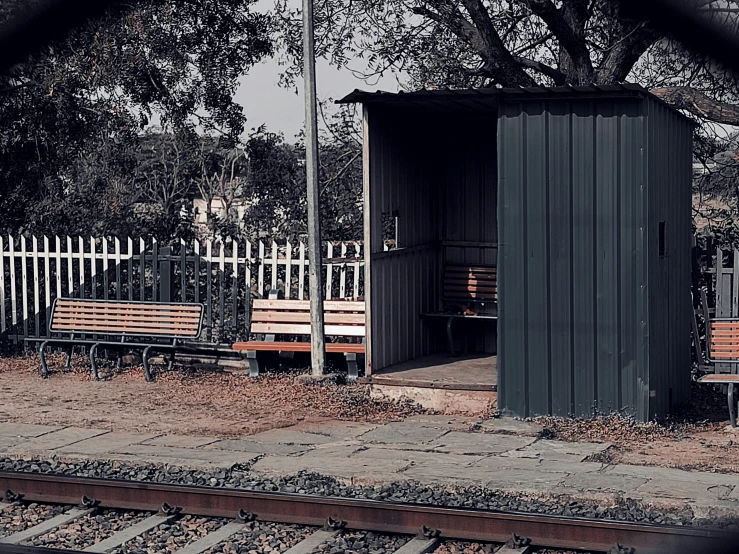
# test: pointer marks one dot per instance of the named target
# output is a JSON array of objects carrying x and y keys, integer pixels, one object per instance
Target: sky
[{"x": 281, "y": 109}]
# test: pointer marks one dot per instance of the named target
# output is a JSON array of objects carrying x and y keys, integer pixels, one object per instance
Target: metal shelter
[{"x": 579, "y": 196}]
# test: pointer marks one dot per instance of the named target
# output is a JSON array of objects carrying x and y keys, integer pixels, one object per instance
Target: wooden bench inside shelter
[
  {"x": 469, "y": 293},
  {"x": 121, "y": 325},
  {"x": 343, "y": 319},
  {"x": 723, "y": 347}
]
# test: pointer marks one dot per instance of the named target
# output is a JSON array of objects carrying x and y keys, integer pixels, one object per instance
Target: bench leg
[
  {"x": 351, "y": 364},
  {"x": 68, "y": 359},
  {"x": 171, "y": 361},
  {"x": 449, "y": 336},
  {"x": 145, "y": 361},
  {"x": 93, "y": 364},
  {"x": 42, "y": 355},
  {"x": 251, "y": 357},
  {"x": 119, "y": 360},
  {"x": 732, "y": 404}
]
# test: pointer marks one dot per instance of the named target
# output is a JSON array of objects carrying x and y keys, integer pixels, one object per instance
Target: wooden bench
[
  {"x": 271, "y": 317},
  {"x": 468, "y": 293},
  {"x": 121, "y": 325},
  {"x": 723, "y": 347}
]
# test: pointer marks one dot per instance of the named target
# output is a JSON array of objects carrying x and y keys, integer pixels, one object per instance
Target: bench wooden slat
[
  {"x": 127, "y": 317},
  {"x": 304, "y": 305},
  {"x": 265, "y": 346},
  {"x": 304, "y": 317},
  {"x": 297, "y": 329},
  {"x": 719, "y": 378},
  {"x": 101, "y": 305},
  {"x": 470, "y": 269},
  {"x": 114, "y": 317}
]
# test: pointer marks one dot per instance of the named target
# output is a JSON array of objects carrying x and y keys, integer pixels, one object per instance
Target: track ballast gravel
[{"x": 307, "y": 483}]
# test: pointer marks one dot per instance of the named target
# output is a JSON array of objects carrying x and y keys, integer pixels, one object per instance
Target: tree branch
[
  {"x": 700, "y": 104},
  {"x": 498, "y": 63},
  {"x": 570, "y": 39},
  {"x": 557, "y": 76}
]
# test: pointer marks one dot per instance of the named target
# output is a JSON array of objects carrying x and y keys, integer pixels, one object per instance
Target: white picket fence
[{"x": 223, "y": 276}]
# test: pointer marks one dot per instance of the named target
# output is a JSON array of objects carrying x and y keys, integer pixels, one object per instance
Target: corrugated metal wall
[
  {"x": 573, "y": 280},
  {"x": 670, "y": 167},
  {"x": 403, "y": 178}
]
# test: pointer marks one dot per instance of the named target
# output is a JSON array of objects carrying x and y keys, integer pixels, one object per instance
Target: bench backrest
[
  {"x": 723, "y": 344},
  {"x": 464, "y": 283},
  {"x": 342, "y": 318},
  {"x": 126, "y": 318}
]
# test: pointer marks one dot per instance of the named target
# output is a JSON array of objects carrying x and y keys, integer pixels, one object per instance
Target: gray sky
[{"x": 281, "y": 109}]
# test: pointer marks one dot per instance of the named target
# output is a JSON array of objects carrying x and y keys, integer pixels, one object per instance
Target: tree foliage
[{"x": 70, "y": 117}]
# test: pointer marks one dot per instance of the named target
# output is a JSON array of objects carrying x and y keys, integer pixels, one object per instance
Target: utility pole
[{"x": 315, "y": 258}]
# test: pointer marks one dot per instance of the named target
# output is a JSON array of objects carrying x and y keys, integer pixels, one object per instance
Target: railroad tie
[
  {"x": 46, "y": 526},
  {"x": 125, "y": 535},
  {"x": 212, "y": 539},
  {"x": 312, "y": 541},
  {"x": 418, "y": 545}
]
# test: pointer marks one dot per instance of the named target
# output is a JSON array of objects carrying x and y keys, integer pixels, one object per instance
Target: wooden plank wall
[{"x": 403, "y": 178}]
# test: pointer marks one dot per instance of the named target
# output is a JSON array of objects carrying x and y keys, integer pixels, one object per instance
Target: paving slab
[
  {"x": 26, "y": 430},
  {"x": 258, "y": 447},
  {"x": 597, "y": 481},
  {"x": 339, "y": 430},
  {"x": 440, "y": 421},
  {"x": 559, "y": 450},
  {"x": 174, "y": 455},
  {"x": 56, "y": 439},
  {"x": 696, "y": 491},
  {"x": 675, "y": 475},
  {"x": 103, "y": 444},
  {"x": 479, "y": 443},
  {"x": 180, "y": 441},
  {"x": 8, "y": 442},
  {"x": 289, "y": 435},
  {"x": 510, "y": 425},
  {"x": 411, "y": 457},
  {"x": 516, "y": 480},
  {"x": 403, "y": 432},
  {"x": 340, "y": 467}
]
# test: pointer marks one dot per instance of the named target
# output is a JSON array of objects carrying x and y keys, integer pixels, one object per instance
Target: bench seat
[
  {"x": 343, "y": 319},
  {"x": 265, "y": 346},
  {"x": 723, "y": 347},
  {"x": 121, "y": 325}
]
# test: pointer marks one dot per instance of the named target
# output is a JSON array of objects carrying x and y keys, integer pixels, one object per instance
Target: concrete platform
[
  {"x": 433, "y": 450},
  {"x": 442, "y": 382}
]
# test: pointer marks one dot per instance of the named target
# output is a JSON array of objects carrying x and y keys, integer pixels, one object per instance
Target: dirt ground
[
  {"x": 696, "y": 437},
  {"x": 183, "y": 401},
  {"x": 197, "y": 402}
]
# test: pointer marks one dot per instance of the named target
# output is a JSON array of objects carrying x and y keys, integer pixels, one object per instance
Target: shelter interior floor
[{"x": 470, "y": 372}]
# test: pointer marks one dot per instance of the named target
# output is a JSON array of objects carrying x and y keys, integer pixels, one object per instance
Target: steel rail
[{"x": 372, "y": 515}]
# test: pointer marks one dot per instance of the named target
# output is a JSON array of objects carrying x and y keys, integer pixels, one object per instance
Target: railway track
[{"x": 420, "y": 527}]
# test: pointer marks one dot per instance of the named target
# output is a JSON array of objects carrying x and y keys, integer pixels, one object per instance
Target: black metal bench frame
[{"x": 137, "y": 343}]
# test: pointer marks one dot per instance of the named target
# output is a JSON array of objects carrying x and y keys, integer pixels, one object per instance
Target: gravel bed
[
  {"x": 90, "y": 529},
  {"x": 306, "y": 483},
  {"x": 263, "y": 537},
  {"x": 363, "y": 543},
  {"x": 168, "y": 538},
  {"x": 20, "y": 517}
]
